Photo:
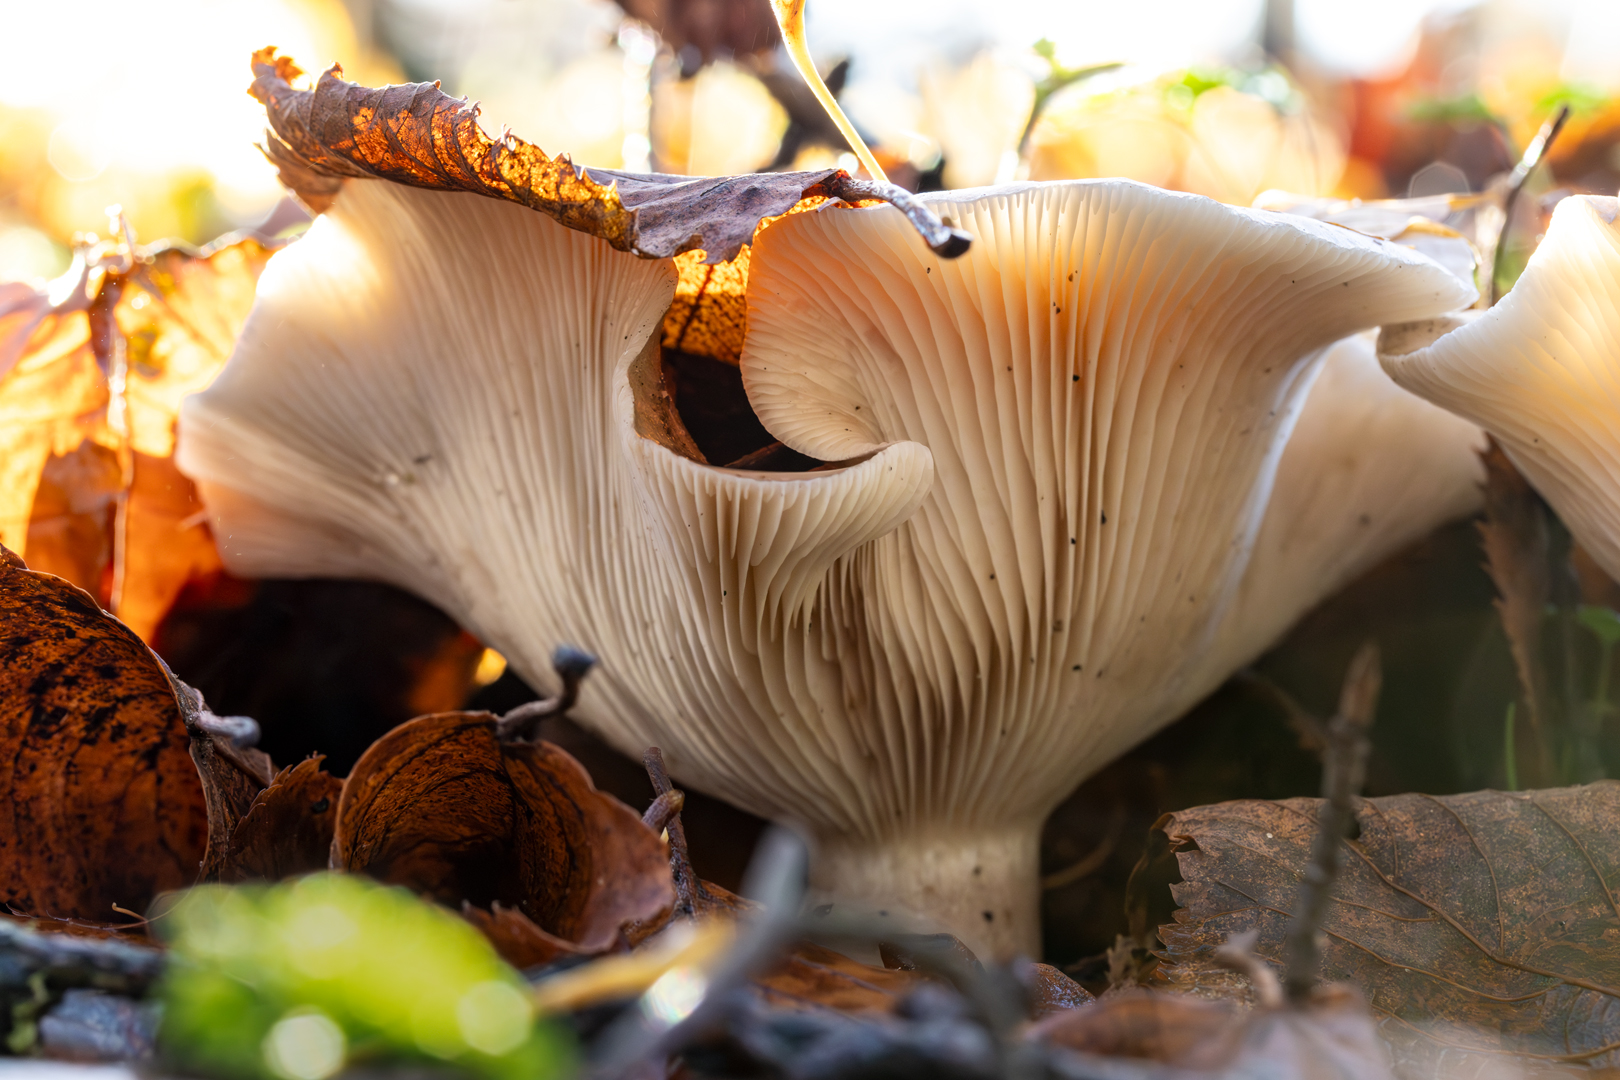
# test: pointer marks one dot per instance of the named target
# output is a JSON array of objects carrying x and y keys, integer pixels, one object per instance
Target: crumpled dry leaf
[
  {"x": 1330, "y": 1038},
  {"x": 102, "y": 803},
  {"x": 715, "y": 29},
  {"x": 233, "y": 777},
  {"x": 69, "y": 454},
  {"x": 812, "y": 976},
  {"x": 441, "y": 806},
  {"x": 418, "y": 135},
  {"x": 1480, "y": 926},
  {"x": 288, "y": 827}
]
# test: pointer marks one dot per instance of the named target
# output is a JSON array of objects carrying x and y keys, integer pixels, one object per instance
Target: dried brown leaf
[
  {"x": 515, "y": 936},
  {"x": 232, "y": 780},
  {"x": 1481, "y": 927},
  {"x": 1331, "y": 1036},
  {"x": 67, "y": 466},
  {"x": 101, "y": 801},
  {"x": 1051, "y": 991},
  {"x": 416, "y": 134},
  {"x": 813, "y": 976},
  {"x": 724, "y": 29},
  {"x": 288, "y": 827},
  {"x": 50, "y": 399},
  {"x": 440, "y": 806}
]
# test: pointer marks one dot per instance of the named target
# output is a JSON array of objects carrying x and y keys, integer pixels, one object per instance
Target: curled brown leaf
[
  {"x": 288, "y": 827},
  {"x": 101, "y": 803},
  {"x": 441, "y": 806}
]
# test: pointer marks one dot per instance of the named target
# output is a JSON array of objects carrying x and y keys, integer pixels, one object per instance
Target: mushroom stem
[
  {"x": 983, "y": 886},
  {"x": 790, "y": 18}
]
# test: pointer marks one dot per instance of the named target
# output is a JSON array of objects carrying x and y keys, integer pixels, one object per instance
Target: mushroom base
[{"x": 984, "y": 887}]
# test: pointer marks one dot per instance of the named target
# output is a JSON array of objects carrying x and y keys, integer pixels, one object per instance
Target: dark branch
[
  {"x": 571, "y": 665},
  {"x": 945, "y": 239},
  {"x": 680, "y": 859},
  {"x": 1344, "y": 769}
]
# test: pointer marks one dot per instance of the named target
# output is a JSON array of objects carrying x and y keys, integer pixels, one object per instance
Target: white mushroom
[
  {"x": 1369, "y": 470},
  {"x": 1056, "y": 453},
  {"x": 1541, "y": 370},
  {"x": 1105, "y": 382}
]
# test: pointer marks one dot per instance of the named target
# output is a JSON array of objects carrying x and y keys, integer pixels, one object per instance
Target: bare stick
[
  {"x": 680, "y": 858},
  {"x": 1516, "y": 181},
  {"x": 943, "y": 238},
  {"x": 1344, "y": 768},
  {"x": 571, "y": 665}
]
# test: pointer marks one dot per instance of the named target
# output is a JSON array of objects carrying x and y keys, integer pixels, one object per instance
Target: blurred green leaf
[
  {"x": 299, "y": 980},
  {"x": 1602, "y": 621}
]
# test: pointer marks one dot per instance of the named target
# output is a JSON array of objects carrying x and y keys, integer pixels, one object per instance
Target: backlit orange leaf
[{"x": 88, "y": 490}]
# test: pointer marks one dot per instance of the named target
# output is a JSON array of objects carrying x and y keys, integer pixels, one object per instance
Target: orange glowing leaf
[{"x": 88, "y": 488}]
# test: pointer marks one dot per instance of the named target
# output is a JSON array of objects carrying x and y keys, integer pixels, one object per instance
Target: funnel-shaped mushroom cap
[
  {"x": 1062, "y": 447},
  {"x": 1105, "y": 382},
  {"x": 1541, "y": 370},
  {"x": 439, "y": 390}
]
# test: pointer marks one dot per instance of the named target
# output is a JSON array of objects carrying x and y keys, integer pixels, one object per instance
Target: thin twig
[
  {"x": 1515, "y": 184},
  {"x": 663, "y": 810},
  {"x": 1516, "y": 537},
  {"x": 1091, "y": 861},
  {"x": 680, "y": 858},
  {"x": 571, "y": 666},
  {"x": 938, "y": 233},
  {"x": 1344, "y": 768}
]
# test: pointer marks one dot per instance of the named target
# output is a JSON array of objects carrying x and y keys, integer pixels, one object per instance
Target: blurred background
[{"x": 145, "y": 106}]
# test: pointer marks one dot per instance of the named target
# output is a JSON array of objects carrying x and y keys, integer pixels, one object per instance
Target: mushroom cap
[
  {"x": 445, "y": 392},
  {"x": 1368, "y": 470},
  {"x": 1541, "y": 370},
  {"x": 1105, "y": 383},
  {"x": 1056, "y": 452},
  {"x": 1422, "y": 224}
]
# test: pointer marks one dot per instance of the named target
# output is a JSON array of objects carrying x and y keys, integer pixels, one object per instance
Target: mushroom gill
[
  {"x": 1105, "y": 382},
  {"x": 1541, "y": 370},
  {"x": 1052, "y": 457}
]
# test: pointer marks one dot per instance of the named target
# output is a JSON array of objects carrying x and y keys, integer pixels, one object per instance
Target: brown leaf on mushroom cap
[
  {"x": 1479, "y": 926},
  {"x": 287, "y": 829},
  {"x": 418, "y": 135},
  {"x": 709, "y": 314},
  {"x": 439, "y": 805},
  {"x": 101, "y": 802}
]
